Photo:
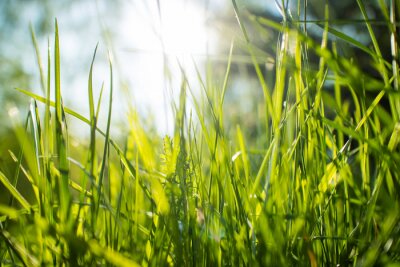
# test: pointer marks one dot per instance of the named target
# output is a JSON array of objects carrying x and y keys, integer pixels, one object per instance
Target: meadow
[{"x": 315, "y": 182}]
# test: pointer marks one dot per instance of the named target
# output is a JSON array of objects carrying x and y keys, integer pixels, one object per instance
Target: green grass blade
[
  {"x": 350, "y": 40},
  {"x": 90, "y": 87},
  {"x": 48, "y": 148},
  {"x": 34, "y": 115},
  {"x": 377, "y": 49},
  {"x": 14, "y": 192},
  {"x": 261, "y": 171},
  {"x": 53, "y": 104},
  {"x": 259, "y": 73},
  {"x": 99, "y": 101},
  {"x": 78, "y": 116},
  {"x": 38, "y": 58},
  {"x": 225, "y": 84},
  {"x": 19, "y": 249},
  {"x": 106, "y": 142},
  {"x": 93, "y": 122},
  {"x": 57, "y": 83},
  {"x": 61, "y": 135}
]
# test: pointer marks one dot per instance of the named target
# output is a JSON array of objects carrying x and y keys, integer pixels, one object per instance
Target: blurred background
[{"x": 150, "y": 42}]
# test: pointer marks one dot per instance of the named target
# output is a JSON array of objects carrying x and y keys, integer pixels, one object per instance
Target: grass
[{"x": 318, "y": 185}]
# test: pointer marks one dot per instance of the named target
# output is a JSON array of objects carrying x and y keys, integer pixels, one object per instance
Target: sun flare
[{"x": 183, "y": 28}]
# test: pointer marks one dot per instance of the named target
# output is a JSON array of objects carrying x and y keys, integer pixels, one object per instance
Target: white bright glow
[
  {"x": 178, "y": 29},
  {"x": 183, "y": 29}
]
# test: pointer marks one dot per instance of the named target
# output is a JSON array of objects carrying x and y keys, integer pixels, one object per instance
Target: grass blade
[
  {"x": 106, "y": 143},
  {"x": 38, "y": 58},
  {"x": 14, "y": 192},
  {"x": 61, "y": 135}
]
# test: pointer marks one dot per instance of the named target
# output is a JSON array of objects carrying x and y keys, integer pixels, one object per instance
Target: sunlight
[
  {"x": 177, "y": 29},
  {"x": 183, "y": 29}
]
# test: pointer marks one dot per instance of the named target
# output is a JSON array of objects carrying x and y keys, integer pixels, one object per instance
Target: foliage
[{"x": 318, "y": 186}]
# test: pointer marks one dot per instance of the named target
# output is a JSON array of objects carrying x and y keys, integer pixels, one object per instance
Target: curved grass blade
[
  {"x": 259, "y": 73},
  {"x": 19, "y": 250},
  {"x": 225, "y": 84},
  {"x": 61, "y": 136},
  {"x": 38, "y": 59},
  {"x": 127, "y": 164},
  {"x": 350, "y": 40},
  {"x": 106, "y": 143},
  {"x": 14, "y": 192},
  {"x": 377, "y": 49},
  {"x": 93, "y": 122},
  {"x": 34, "y": 115}
]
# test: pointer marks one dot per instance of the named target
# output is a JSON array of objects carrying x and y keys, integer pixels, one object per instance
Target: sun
[
  {"x": 182, "y": 29},
  {"x": 174, "y": 27},
  {"x": 157, "y": 38}
]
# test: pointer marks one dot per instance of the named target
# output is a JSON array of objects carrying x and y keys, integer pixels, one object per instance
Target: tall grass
[{"x": 319, "y": 186}]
